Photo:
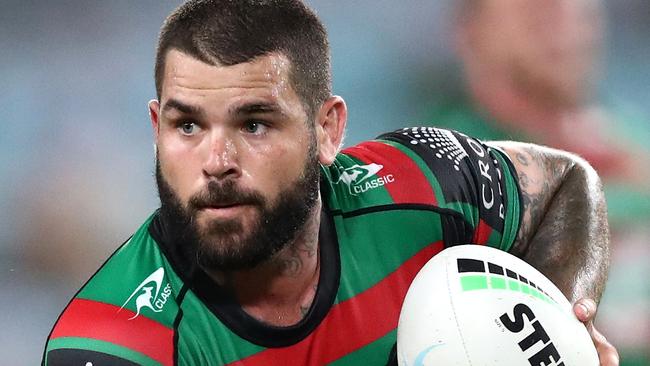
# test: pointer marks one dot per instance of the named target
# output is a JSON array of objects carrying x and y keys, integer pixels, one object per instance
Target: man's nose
[{"x": 223, "y": 159}]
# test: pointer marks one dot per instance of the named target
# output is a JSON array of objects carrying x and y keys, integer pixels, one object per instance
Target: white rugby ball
[{"x": 476, "y": 305}]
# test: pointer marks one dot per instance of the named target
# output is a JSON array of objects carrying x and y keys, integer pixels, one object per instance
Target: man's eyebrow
[
  {"x": 181, "y": 107},
  {"x": 256, "y": 107}
]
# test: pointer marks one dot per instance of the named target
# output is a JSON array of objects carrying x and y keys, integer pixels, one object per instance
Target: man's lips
[
  {"x": 225, "y": 210},
  {"x": 224, "y": 204}
]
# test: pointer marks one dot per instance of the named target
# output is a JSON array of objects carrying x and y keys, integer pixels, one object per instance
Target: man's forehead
[
  {"x": 184, "y": 71},
  {"x": 192, "y": 86}
]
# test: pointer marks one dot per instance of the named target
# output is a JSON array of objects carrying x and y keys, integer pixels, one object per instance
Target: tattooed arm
[{"x": 564, "y": 232}]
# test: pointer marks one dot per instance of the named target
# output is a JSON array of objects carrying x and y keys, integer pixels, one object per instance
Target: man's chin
[
  {"x": 228, "y": 252},
  {"x": 216, "y": 230}
]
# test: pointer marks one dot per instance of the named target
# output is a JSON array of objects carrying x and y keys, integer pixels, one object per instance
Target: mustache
[{"x": 227, "y": 193}]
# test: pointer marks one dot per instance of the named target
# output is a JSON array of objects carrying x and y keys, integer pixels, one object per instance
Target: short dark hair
[{"x": 229, "y": 32}]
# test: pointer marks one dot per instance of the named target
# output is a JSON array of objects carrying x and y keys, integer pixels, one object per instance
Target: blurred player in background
[
  {"x": 530, "y": 71},
  {"x": 272, "y": 247}
]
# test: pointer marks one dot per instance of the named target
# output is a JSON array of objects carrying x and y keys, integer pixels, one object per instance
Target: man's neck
[{"x": 281, "y": 290}]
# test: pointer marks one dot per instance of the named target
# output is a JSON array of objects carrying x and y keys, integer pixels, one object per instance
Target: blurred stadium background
[{"x": 76, "y": 156}]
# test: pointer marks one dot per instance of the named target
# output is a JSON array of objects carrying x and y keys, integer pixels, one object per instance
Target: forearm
[{"x": 564, "y": 232}]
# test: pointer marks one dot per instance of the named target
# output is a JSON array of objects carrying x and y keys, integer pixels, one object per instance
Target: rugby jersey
[{"x": 389, "y": 205}]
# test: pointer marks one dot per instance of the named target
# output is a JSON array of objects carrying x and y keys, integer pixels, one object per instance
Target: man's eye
[
  {"x": 188, "y": 128},
  {"x": 254, "y": 127}
]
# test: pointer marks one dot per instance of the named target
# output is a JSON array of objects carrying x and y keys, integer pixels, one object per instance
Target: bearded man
[{"x": 271, "y": 246}]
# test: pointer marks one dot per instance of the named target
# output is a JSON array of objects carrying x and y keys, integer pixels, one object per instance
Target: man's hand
[{"x": 585, "y": 310}]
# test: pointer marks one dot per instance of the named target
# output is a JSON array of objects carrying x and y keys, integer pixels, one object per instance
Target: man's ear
[
  {"x": 154, "y": 115},
  {"x": 330, "y": 128}
]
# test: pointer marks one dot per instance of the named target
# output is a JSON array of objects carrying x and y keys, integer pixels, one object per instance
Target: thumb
[{"x": 585, "y": 309}]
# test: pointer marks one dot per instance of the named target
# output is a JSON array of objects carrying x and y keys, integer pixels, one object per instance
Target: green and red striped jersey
[{"x": 389, "y": 206}]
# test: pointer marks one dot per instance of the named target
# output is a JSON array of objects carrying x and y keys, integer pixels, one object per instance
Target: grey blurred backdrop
[{"x": 76, "y": 155}]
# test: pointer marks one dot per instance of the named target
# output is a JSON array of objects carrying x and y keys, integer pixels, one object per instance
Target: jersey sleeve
[
  {"x": 474, "y": 181},
  {"x": 124, "y": 315}
]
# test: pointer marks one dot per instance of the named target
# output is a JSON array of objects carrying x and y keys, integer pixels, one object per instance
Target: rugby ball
[{"x": 476, "y": 305}]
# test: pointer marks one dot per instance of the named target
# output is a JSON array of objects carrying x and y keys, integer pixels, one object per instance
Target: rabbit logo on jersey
[
  {"x": 357, "y": 178},
  {"x": 147, "y": 297}
]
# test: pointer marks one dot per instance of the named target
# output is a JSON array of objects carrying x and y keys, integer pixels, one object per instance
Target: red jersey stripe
[
  {"x": 482, "y": 233},
  {"x": 354, "y": 323},
  {"x": 101, "y": 321},
  {"x": 410, "y": 185}
]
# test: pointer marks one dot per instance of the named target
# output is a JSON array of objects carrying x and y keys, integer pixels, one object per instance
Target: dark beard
[{"x": 223, "y": 245}]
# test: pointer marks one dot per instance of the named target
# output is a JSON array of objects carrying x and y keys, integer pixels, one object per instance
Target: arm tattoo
[
  {"x": 538, "y": 176},
  {"x": 564, "y": 231}
]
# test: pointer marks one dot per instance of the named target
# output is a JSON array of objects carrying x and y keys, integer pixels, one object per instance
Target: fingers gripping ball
[{"x": 475, "y": 305}]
